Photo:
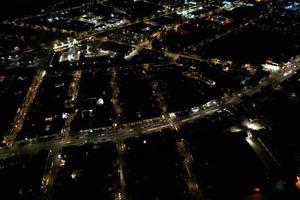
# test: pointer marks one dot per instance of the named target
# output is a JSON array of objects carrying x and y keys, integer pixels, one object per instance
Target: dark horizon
[{"x": 17, "y": 8}]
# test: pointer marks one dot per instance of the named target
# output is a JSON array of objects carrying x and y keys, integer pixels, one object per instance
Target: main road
[{"x": 154, "y": 125}]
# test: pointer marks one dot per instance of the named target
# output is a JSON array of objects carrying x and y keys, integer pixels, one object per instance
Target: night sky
[{"x": 14, "y": 8}]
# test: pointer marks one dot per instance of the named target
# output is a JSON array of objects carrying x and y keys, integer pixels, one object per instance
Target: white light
[
  {"x": 50, "y": 19},
  {"x": 73, "y": 175},
  {"x": 253, "y": 125},
  {"x": 62, "y": 162},
  {"x": 172, "y": 115},
  {"x": 271, "y": 67},
  {"x": 195, "y": 109},
  {"x": 100, "y": 101},
  {"x": 65, "y": 115}
]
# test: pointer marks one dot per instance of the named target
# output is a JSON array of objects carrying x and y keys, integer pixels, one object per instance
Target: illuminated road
[
  {"x": 73, "y": 93},
  {"x": 144, "y": 20},
  {"x": 232, "y": 30},
  {"x": 263, "y": 153},
  {"x": 154, "y": 125},
  {"x": 19, "y": 119},
  {"x": 120, "y": 195},
  {"x": 193, "y": 187}
]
